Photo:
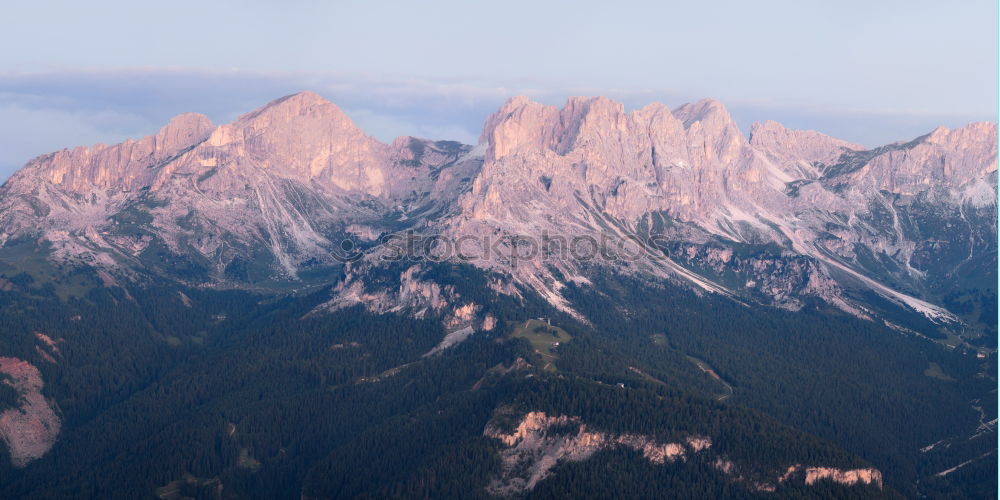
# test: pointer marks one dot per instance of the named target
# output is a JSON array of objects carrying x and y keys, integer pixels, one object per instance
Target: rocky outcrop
[
  {"x": 540, "y": 442},
  {"x": 412, "y": 294},
  {"x": 47, "y": 348},
  {"x": 30, "y": 429},
  {"x": 406, "y": 292},
  {"x": 850, "y": 477},
  {"x": 846, "y": 477}
]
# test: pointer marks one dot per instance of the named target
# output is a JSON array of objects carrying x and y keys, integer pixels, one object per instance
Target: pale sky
[{"x": 75, "y": 73}]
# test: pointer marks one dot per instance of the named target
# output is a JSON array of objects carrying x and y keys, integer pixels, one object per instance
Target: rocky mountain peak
[
  {"x": 787, "y": 145},
  {"x": 589, "y": 123},
  {"x": 287, "y": 108},
  {"x": 589, "y": 119},
  {"x": 955, "y": 163},
  {"x": 305, "y": 137},
  {"x": 182, "y": 131},
  {"x": 977, "y": 134},
  {"x": 594, "y": 109},
  {"x": 652, "y": 109},
  {"x": 289, "y": 116},
  {"x": 712, "y": 134},
  {"x": 127, "y": 166},
  {"x": 708, "y": 111},
  {"x": 519, "y": 124}
]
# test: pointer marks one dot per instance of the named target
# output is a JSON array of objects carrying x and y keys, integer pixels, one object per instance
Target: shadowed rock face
[{"x": 796, "y": 214}]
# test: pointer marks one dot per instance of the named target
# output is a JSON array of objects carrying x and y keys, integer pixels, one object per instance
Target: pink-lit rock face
[
  {"x": 797, "y": 151},
  {"x": 122, "y": 166},
  {"x": 958, "y": 158},
  {"x": 693, "y": 162},
  {"x": 302, "y": 136},
  {"x": 848, "y": 477},
  {"x": 281, "y": 177},
  {"x": 291, "y": 178},
  {"x": 30, "y": 429},
  {"x": 540, "y": 442},
  {"x": 556, "y": 171}
]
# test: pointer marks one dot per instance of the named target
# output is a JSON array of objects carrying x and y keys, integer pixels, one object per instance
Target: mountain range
[
  {"x": 272, "y": 196},
  {"x": 670, "y": 258}
]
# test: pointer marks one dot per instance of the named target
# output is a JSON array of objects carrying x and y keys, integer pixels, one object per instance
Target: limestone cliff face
[
  {"x": 627, "y": 163},
  {"x": 695, "y": 163},
  {"x": 849, "y": 477},
  {"x": 275, "y": 192},
  {"x": 302, "y": 137},
  {"x": 128, "y": 166},
  {"x": 799, "y": 153},
  {"x": 73, "y": 188},
  {"x": 944, "y": 158},
  {"x": 689, "y": 176},
  {"x": 290, "y": 178},
  {"x": 539, "y": 443}
]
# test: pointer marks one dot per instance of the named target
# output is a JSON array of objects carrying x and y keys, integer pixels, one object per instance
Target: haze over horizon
[{"x": 867, "y": 74}]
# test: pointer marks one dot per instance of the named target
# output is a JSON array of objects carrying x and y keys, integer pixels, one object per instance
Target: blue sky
[{"x": 76, "y": 73}]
